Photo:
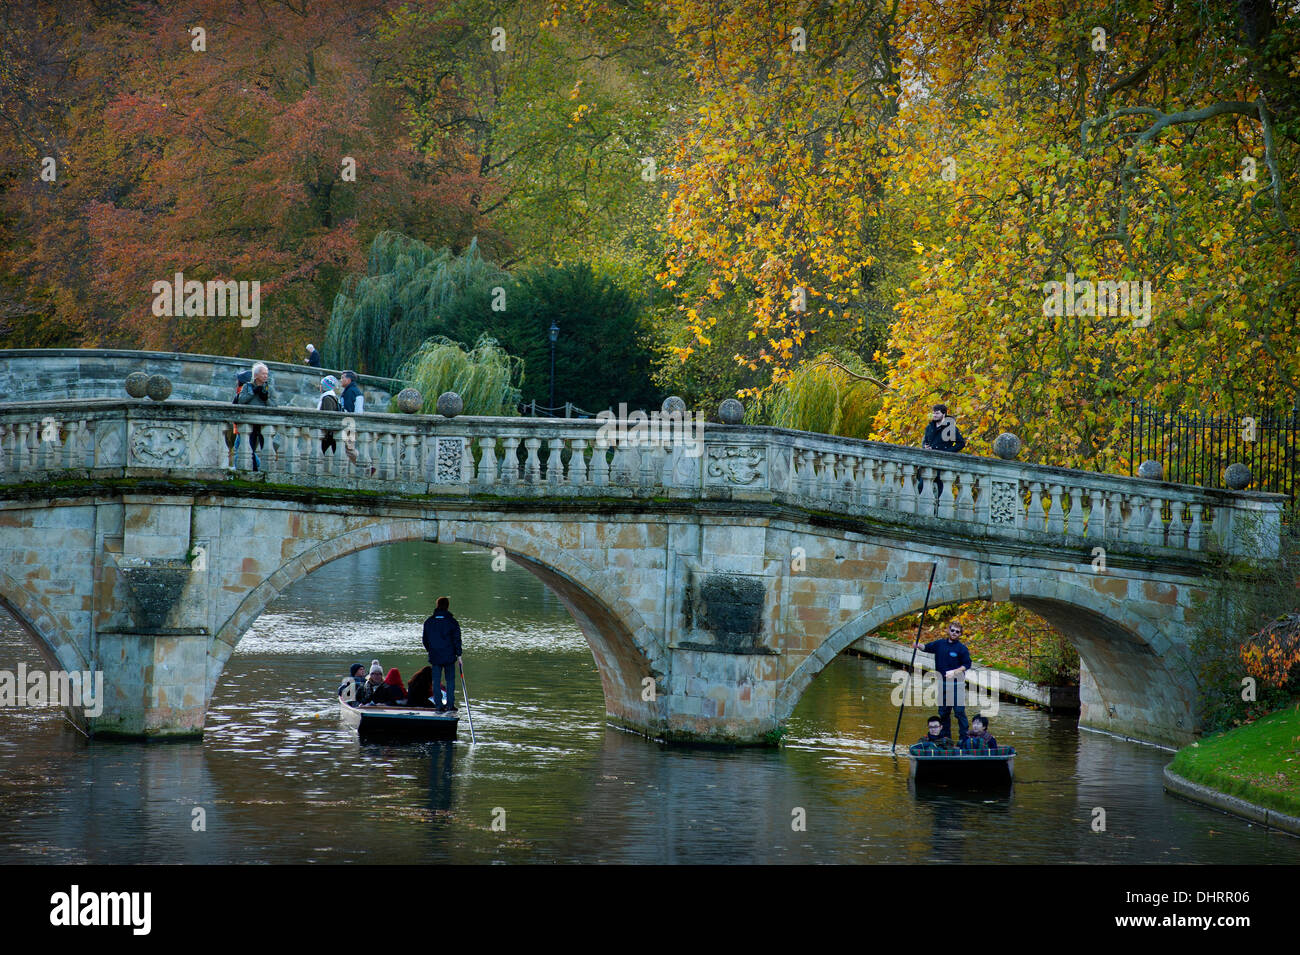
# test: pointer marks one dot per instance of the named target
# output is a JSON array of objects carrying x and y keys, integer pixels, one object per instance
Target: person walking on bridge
[{"x": 442, "y": 641}]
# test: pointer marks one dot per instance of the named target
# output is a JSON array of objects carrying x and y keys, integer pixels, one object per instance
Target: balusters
[
  {"x": 945, "y": 496},
  {"x": 827, "y": 478},
  {"x": 599, "y": 465},
  {"x": 907, "y": 497},
  {"x": 487, "y": 462},
  {"x": 1176, "y": 527},
  {"x": 1114, "y": 516},
  {"x": 509, "y": 460},
  {"x": 532, "y": 465},
  {"x": 807, "y": 474},
  {"x": 1034, "y": 519},
  {"x": 867, "y": 490},
  {"x": 554, "y": 466},
  {"x": 1194, "y": 531},
  {"x": 1155, "y": 525},
  {"x": 981, "y": 512},
  {"x": 1055, "y": 515},
  {"x": 411, "y": 455},
  {"x": 965, "y": 500},
  {"x": 889, "y": 485},
  {"x": 578, "y": 462},
  {"x": 844, "y": 491},
  {"x": 1135, "y": 529},
  {"x": 1096, "y": 515}
]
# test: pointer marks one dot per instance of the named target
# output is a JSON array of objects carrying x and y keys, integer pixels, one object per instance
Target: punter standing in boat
[
  {"x": 952, "y": 660},
  {"x": 442, "y": 641}
]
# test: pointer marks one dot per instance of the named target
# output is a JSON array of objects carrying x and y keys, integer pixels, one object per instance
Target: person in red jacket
[{"x": 393, "y": 692}]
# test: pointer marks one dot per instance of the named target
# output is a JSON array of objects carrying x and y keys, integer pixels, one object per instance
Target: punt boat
[
  {"x": 399, "y": 722},
  {"x": 962, "y": 767}
]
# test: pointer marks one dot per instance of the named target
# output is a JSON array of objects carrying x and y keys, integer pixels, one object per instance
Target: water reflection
[{"x": 281, "y": 778}]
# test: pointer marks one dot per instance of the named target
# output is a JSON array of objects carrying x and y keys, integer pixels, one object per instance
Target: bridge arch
[
  {"x": 52, "y": 639},
  {"x": 1127, "y": 668},
  {"x": 626, "y": 650}
]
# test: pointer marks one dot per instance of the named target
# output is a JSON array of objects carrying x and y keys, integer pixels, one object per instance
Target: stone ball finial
[
  {"x": 673, "y": 406},
  {"x": 1007, "y": 446},
  {"x": 409, "y": 401},
  {"x": 450, "y": 404},
  {"x": 1151, "y": 471},
  {"x": 137, "y": 384},
  {"x": 731, "y": 411},
  {"x": 1237, "y": 476},
  {"x": 159, "y": 387}
]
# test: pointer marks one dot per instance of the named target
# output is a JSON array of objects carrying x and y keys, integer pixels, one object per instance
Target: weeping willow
[
  {"x": 380, "y": 318},
  {"x": 831, "y": 394},
  {"x": 486, "y": 377}
]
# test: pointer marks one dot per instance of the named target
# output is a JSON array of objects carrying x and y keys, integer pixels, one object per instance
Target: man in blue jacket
[
  {"x": 442, "y": 640},
  {"x": 952, "y": 660}
]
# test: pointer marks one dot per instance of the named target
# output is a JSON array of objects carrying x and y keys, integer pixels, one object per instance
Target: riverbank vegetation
[{"x": 1259, "y": 762}]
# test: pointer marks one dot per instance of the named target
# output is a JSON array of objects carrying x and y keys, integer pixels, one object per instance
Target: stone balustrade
[{"x": 523, "y": 457}]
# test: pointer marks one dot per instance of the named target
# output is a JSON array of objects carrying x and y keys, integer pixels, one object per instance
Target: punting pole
[
  {"x": 467, "y": 710},
  {"x": 911, "y": 667}
]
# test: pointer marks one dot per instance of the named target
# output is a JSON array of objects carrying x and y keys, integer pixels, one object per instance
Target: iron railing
[{"x": 1196, "y": 447}]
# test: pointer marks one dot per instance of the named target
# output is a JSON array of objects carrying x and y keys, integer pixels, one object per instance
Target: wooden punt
[
  {"x": 963, "y": 767},
  {"x": 399, "y": 722}
]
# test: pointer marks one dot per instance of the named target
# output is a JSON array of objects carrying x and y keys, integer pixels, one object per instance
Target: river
[{"x": 278, "y": 777}]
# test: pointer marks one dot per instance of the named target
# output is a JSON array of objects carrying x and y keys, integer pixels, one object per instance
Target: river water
[{"x": 278, "y": 777}]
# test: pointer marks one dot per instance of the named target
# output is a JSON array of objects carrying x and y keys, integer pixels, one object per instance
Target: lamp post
[{"x": 555, "y": 333}]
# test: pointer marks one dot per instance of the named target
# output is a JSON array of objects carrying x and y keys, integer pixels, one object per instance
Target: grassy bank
[{"x": 1259, "y": 762}]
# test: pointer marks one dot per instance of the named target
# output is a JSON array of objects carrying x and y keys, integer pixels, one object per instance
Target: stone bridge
[{"x": 713, "y": 582}]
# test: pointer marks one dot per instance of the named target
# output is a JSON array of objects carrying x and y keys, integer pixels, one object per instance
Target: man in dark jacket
[
  {"x": 941, "y": 434},
  {"x": 313, "y": 356},
  {"x": 952, "y": 660},
  {"x": 442, "y": 640},
  {"x": 258, "y": 394}
]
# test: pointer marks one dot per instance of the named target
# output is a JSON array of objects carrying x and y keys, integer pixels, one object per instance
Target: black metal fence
[{"x": 1196, "y": 447}]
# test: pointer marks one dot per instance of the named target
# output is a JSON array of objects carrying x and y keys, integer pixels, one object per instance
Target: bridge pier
[{"x": 155, "y": 685}]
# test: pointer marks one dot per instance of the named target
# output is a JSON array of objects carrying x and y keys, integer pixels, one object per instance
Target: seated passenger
[
  {"x": 979, "y": 738},
  {"x": 934, "y": 738},
  {"x": 420, "y": 689},
  {"x": 351, "y": 688},
  {"x": 392, "y": 693},
  {"x": 374, "y": 681}
]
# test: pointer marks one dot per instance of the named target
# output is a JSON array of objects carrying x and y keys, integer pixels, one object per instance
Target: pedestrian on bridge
[
  {"x": 313, "y": 356},
  {"x": 941, "y": 434},
  {"x": 258, "y": 393}
]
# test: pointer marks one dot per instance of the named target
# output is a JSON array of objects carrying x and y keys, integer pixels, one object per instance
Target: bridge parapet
[{"x": 572, "y": 458}]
